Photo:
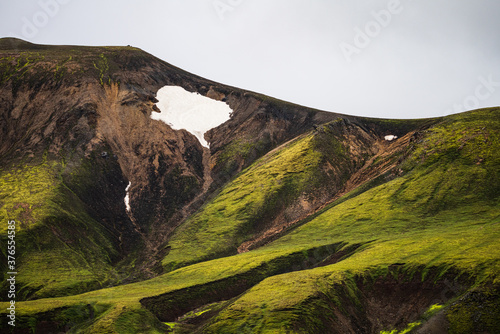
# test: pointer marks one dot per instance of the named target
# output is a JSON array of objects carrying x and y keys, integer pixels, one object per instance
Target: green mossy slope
[
  {"x": 60, "y": 249},
  {"x": 225, "y": 222},
  {"x": 306, "y": 171},
  {"x": 436, "y": 228},
  {"x": 442, "y": 216}
]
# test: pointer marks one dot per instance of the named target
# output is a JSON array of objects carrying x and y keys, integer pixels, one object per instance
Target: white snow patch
[
  {"x": 127, "y": 197},
  {"x": 390, "y": 137},
  {"x": 193, "y": 112}
]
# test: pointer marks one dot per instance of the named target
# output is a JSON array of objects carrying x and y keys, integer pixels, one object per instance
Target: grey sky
[{"x": 380, "y": 58}]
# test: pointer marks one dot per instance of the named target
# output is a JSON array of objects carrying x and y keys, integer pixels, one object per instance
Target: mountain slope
[
  {"x": 60, "y": 247},
  {"x": 280, "y": 189},
  {"x": 440, "y": 222},
  {"x": 365, "y": 246},
  {"x": 86, "y": 112},
  {"x": 295, "y": 220}
]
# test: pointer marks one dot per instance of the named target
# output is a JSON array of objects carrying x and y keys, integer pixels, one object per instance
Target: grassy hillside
[
  {"x": 442, "y": 219},
  {"x": 224, "y": 223},
  {"x": 296, "y": 175},
  {"x": 60, "y": 249},
  {"x": 69, "y": 102},
  {"x": 417, "y": 250}
]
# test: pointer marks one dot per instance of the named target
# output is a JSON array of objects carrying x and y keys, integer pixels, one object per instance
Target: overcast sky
[{"x": 379, "y": 58}]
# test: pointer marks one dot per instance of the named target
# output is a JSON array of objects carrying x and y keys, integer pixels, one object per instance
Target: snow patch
[
  {"x": 193, "y": 112},
  {"x": 127, "y": 197},
  {"x": 390, "y": 137}
]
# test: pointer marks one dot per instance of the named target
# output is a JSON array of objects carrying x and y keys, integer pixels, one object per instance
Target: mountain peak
[{"x": 292, "y": 220}]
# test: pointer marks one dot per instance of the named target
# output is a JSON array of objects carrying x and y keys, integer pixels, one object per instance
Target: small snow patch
[
  {"x": 127, "y": 197},
  {"x": 193, "y": 112},
  {"x": 390, "y": 137}
]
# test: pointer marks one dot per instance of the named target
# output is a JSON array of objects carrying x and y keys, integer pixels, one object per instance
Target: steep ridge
[
  {"x": 72, "y": 121},
  {"x": 383, "y": 156},
  {"x": 295, "y": 220},
  {"x": 85, "y": 111}
]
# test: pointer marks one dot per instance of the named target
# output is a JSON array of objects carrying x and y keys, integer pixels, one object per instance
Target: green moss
[
  {"x": 411, "y": 326},
  {"x": 433, "y": 310},
  {"x": 425, "y": 221},
  {"x": 61, "y": 70},
  {"x": 25, "y": 194},
  {"x": 59, "y": 248},
  {"x": 239, "y": 150},
  {"x": 477, "y": 311},
  {"x": 15, "y": 67},
  {"x": 224, "y": 223},
  {"x": 302, "y": 168},
  {"x": 138, "y": 320},
  {"x": 71, "y": 319},
  {"x": 425, "y": 218},
  {"x": 102, "y": 66},
  {"x": 122, "y": 318}
]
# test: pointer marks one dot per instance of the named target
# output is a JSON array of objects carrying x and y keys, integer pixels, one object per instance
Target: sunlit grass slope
[
  {"x": 223, "y": 224},
  {"x": 60, "y": 249},
  {"x": 301, "y": 171},
  {"x": 444, "y": 214},
  {"x": 442, "y": 217}
]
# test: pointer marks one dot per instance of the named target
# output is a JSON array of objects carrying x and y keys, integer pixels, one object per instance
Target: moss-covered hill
[
  {"x": 75, "y": 129},
  {"x": 328, "y": 229},
  {"x": 399, "y": 253}
]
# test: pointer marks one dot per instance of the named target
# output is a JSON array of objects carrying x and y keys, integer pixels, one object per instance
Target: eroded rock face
[
  {"x": 90, "y": 109},
  {"x": 105, "y": 135}
]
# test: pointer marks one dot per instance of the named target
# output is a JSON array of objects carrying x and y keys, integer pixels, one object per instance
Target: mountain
[{"x": 292, "y": 220}]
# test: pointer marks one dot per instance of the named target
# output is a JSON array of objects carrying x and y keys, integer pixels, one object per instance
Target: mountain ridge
[{"x": 295, "y": 220}]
